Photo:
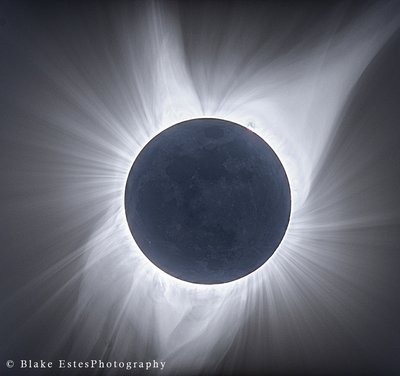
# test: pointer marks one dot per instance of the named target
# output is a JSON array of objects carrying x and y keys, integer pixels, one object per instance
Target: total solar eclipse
[{"x": 207, "y": 201}]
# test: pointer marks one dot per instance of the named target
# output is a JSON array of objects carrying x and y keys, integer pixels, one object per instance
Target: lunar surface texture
[{"x": 207, "y": 201}]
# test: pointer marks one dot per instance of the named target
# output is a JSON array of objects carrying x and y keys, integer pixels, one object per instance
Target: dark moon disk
[{"x": 207, "y": 201}]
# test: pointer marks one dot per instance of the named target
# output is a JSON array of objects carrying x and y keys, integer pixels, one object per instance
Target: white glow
[{"x": 294, "y": 104}]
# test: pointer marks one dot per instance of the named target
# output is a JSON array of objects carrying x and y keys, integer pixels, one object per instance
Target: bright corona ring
[{"x": 207, "y": 201}]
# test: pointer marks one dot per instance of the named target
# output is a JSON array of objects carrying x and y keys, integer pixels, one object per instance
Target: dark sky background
[{"x": 59, "y": 148}]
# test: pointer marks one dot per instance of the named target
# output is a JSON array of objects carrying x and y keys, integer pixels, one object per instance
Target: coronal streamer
[{"x": 106, "y": 90}]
